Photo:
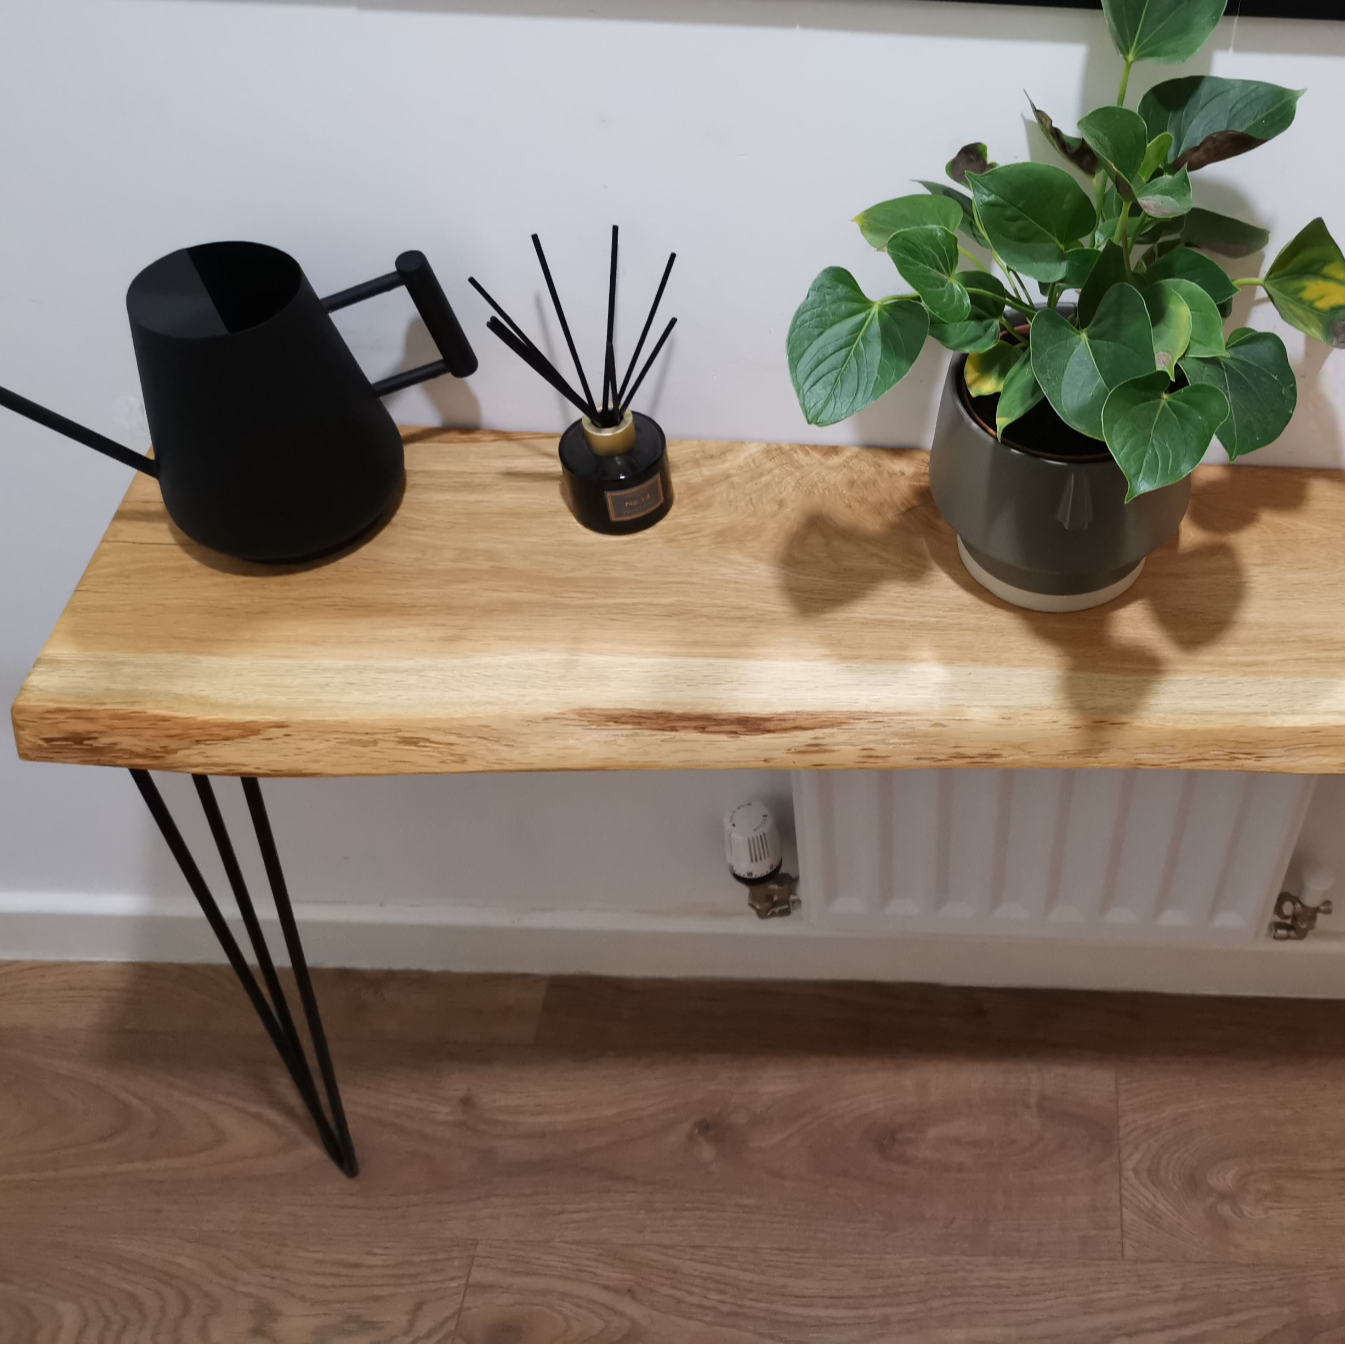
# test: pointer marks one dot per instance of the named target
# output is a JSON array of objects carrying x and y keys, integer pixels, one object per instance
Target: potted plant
[{"x": 1071, "y": 421}]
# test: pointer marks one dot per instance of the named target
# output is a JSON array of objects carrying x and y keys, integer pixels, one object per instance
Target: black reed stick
[
  {"x": 592, "y": 410},
  {"x": 648, "y": 322},
  {"x": 538, "y": 363},
  {"x": 609, "y": 358},
  {"x": 653, "y": 355},
  {"x": 513, "y": 326}
]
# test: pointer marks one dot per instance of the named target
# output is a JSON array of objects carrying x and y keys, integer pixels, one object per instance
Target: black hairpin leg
[{"x": 275, "y": 1015}]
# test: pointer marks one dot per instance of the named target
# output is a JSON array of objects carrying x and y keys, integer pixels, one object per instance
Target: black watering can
[{"x": 270, "y": 444}]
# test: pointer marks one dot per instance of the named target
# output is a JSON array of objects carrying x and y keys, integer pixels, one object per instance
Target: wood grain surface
[
  {"x": 926, "y": 1163},
  {"x": 800, "y": 606},
  {"x": 726, "y": 1292}
]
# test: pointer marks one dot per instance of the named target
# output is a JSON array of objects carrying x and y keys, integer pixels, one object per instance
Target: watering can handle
[{"x": 414, "y": 271}]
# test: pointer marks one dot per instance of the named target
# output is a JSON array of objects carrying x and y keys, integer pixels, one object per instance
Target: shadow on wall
[{"x": 453, "y": 398}]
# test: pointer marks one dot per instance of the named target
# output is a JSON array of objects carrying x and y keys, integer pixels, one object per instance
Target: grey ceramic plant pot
[{"x": 1051, "y": 533}]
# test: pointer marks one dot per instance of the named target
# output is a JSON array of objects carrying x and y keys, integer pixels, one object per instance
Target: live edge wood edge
[{"x": 802, "y": 606}]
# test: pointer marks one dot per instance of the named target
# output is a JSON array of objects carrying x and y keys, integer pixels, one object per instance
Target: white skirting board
[{"x": 113, "y": 928}]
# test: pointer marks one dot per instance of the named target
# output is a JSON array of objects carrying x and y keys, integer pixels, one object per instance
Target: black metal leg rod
[
  {"x": 200, "y": 890},
  {"x": 303, "y": 1076},
  {"x": 271, "y": 859}
]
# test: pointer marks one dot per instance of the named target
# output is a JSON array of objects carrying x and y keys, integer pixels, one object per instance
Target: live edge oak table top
[{"x": 799, "y": 607}]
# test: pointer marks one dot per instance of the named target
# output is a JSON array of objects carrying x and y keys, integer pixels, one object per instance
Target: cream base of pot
[{"x": 1044, "y": 602}]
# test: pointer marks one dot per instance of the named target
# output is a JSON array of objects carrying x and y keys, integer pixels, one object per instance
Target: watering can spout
[{"x": 72, "y": 430}]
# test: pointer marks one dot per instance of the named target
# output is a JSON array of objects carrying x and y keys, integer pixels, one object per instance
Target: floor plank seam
[
  {"x": 466, "y": 1284},
  {"x": 1120, "y": 1166}
]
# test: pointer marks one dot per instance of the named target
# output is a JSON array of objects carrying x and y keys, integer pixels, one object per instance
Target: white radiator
[{"x": 1086, "y": 854}]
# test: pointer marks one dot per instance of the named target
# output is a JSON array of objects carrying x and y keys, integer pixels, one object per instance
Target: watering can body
[{"x": 270, "y": 443}]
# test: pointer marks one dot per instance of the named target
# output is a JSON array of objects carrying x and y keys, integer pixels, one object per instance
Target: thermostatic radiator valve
[
  {"x": 752, "y": 848},
  {"x": 1296, "y": 916}
]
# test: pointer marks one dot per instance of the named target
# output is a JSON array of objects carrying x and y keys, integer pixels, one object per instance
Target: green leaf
[
  {"x": 1223, "y": 234},
  {"x": 1110, "y": 270},
  {"x": 971, "y": 158},
  {"x": 987, "y": 369},
  {"x": 1079, "y": 264},
  {"x": 964, "y": 203},
  {"x": 1120, "y": 140},
  {"x": 1306, "y": 283},
  {"x": 845, "y": 350},
  {"x": 982, "y": 328},
  {"x": 927, "y": 259},
  {"x": 1171, "y": 319},
  {"x": 1156, "y": 155},
  {"x": 1207, "y": 326},
  {"x": 1157, "y": 434},
  {"x": 1111, "y": 213},
  {"x": 1167, "y": 31},
  {"x": 1074, "y": 148},
  {"x": 1077, "y": 369},
  {"x": 1166, "y": 196},
  {"x": 1020, "y": 394},
  {"x": 1032, "y": 213},
  {"x": 1184, "y": 264},
  {"x": 878, "y": 223},
  {"x": 1211, "y": 118},
  {"x": 1259, "y": 383}
]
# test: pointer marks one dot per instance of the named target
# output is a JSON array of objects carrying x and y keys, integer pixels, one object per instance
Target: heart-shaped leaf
[
  {"x": 927, "y": 259},
  {"x": 1077, "y": 369},
  {"x": 1167, "y": 31},
  {"x": 1171, "y": 319},
  {"x": 964, "y": 203},
  {"x": 986, "y": 370},
  {"x": 1184, "y": 264},
  {"x": 878, "y": 223},
  {"x": 1020, "y": 394},
  {"x": 1207, "y": 326},
  {"x": 1074, "y": 148},
  {"x": 973, "y": 158},
  {"x": 1166, "y": 196},
  {"x": 1120, "y": 139},
  {"x": 845, "y": 350},
  {"x": 1258, "y": 381},
  {"x": 1306, "y": 283},
  {"x": 1222, "y": 234},
  {"x": 1110, "y": 270},
  {"x": 1033, "y": 213},
  {"x": 981, "y": 329},
  {"x": 1256, "y": 378},
  {"x": 1156, "y": 155},
  {"x": 1210, "y": 118},
  {"x": 1158, "y": 434},
  {"x": 1079, "y": 264}
]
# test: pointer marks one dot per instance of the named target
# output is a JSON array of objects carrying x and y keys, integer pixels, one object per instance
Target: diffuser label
[{"x": 623, "y": 505}]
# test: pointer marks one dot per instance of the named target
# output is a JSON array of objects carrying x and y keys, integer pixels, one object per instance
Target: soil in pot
[{"x": 1040, "y": 432}]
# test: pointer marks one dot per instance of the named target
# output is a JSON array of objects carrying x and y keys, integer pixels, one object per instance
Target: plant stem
[
  {"x": 1120, "y": 236},
  {"x": 974, "y": 260},
  {"x": 1249, "y": 280},
  {"x": 1019, "y": 291},
  {"x": 1125, "y": 84}
]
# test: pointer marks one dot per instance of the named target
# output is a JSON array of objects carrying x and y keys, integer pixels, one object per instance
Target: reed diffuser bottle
[{"x": 614, "y": 461}]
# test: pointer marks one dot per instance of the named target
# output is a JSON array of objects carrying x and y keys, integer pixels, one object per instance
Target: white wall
[{"x": 743, "y": 133}]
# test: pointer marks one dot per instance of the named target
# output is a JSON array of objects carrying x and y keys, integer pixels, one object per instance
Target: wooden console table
[{"x": 800, "y": 607}]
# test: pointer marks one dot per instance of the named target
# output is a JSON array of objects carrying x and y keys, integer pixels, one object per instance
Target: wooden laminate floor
[{"x": 609, "y": 1160}]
